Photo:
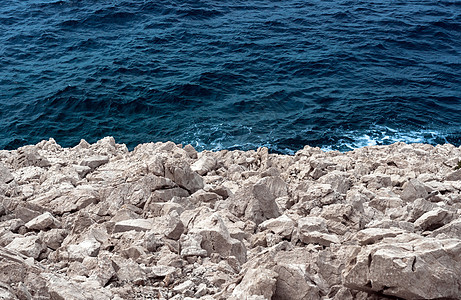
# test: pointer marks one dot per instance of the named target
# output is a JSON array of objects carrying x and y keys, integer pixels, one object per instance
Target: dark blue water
[{"x": 231, "y": 74}]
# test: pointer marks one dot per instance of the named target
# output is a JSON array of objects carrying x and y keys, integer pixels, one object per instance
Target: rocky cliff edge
[{"x": 166, "y": 222}]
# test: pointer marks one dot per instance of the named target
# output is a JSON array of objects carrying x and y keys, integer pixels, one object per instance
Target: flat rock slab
[
  {"x": 42, "y": 222},
  {"x": 94, "y": 161},
  {"x": 422, "y": 268},
  {"x": 136, "y": 224}
]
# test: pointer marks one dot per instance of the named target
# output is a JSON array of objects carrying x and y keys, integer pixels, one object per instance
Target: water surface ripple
[{"x": 231, "y": 74}]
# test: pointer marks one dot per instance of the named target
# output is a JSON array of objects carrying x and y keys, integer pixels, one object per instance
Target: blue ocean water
[{"x": 337, "y": 74}]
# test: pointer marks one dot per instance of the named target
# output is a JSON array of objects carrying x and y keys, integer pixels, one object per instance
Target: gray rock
[
  {"x": 309, "y": 224},
  {"x": 53, "y": 238},
  {"x": 454, "y": 176},
  {"x": 321, "y": 238},
  {"x": 184, "y": 177},
  {"x": 263, "y": 206},
  {"x": 5, "y": 174},
  {"x": 341, "y": 182},
  {"x": 28, "y": 156},
  {"x": 451, "y": 230},
  {"x": 162, "y": 271},
  {"x": 184, "y": 287},
  {"x": 94, "y": 161},
  {"x": 413, "y": 190}
]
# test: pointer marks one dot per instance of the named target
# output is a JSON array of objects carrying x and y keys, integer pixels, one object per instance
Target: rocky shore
[{"x": 166, "y": 222}]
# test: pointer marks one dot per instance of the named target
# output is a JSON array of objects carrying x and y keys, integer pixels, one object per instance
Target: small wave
[
  {"x": 198, "y": 13},
  {"x": 383, "y": 135}
]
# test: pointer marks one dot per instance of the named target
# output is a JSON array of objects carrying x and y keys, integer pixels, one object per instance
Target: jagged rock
[
  {"x": 417, "y": 269},
  {"x": 262, "y": 205},
  {"x": 162, "y": 271},
  {"x": 77, "y": 199},
  {"x": 384, "y": 203},
  {"x": 62, "y": 289},
  {"x": 191, "y": 151},
  {"x": 21, "y": 272},
  {"x": 5, "y": 174},
  {"x": 309, "y": 224},
  {"x": 340, "y": 182},
  {"x": 88, "y": 247},
  {"x": 451, "y": 230},
  {"x": 43, "y": 222},
  {"x": 53, "y": 238},
  {"x": 372, "y": 235},
  {"x": 282, "y": 226},
  {"x": 169, "y": 225},
  {"x": 413, "y": 190},
  {"x": 376, "y": 222},
  {"x": 377, "y": 181},
  {"x": 191, "y": 245},
  {"x": 30, "y": 246},
  {"x": 27, "y": 211},
  {"x": 420, "y": 207},
  {"x": 165, "y": 196},
  {"x": 185, "y": 287},
  {"x": 454, "y": 176},
  {"x": 256, "y": 282},
  {"x": 433, "y": 219},
  {"x": 128, "y": 271},
  {"x": 321, "y": 238},
  {"x": 216, "y": 238},
  {"x": 94, "y": 161},
  {"x": 205, "y": 164},
  {"x": 184, "y": 177},
  {"x": 315, "y": 195},
  {"x": 292, "y": 284},
  {"x": 28, "y": 156}
]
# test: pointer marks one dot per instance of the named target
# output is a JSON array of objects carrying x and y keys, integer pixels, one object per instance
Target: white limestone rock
[
  {"x": 204, "y": 164},
  {"x": 259, "y": 282},
  {"x": 43, "y": 222},
  {"x": 30, "y": 246},
  {"x": 422, "y": 268},
  {"x": 282, "y": 226}
]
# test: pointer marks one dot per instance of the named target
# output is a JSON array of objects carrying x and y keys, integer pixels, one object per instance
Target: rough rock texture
[{"x": 166, "y": 222}]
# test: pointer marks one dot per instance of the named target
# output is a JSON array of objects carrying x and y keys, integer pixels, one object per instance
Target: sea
[{"x": 231, "y": 74}]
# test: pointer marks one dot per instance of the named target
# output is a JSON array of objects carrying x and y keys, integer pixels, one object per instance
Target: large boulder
[
  {"x": 216, "y": 237},
  {"x": 184, "y": 177},
  {"x": 256, "y": 282},
  {"x": 30, "y": 246},
  {"x": 408, "y": 267}
]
